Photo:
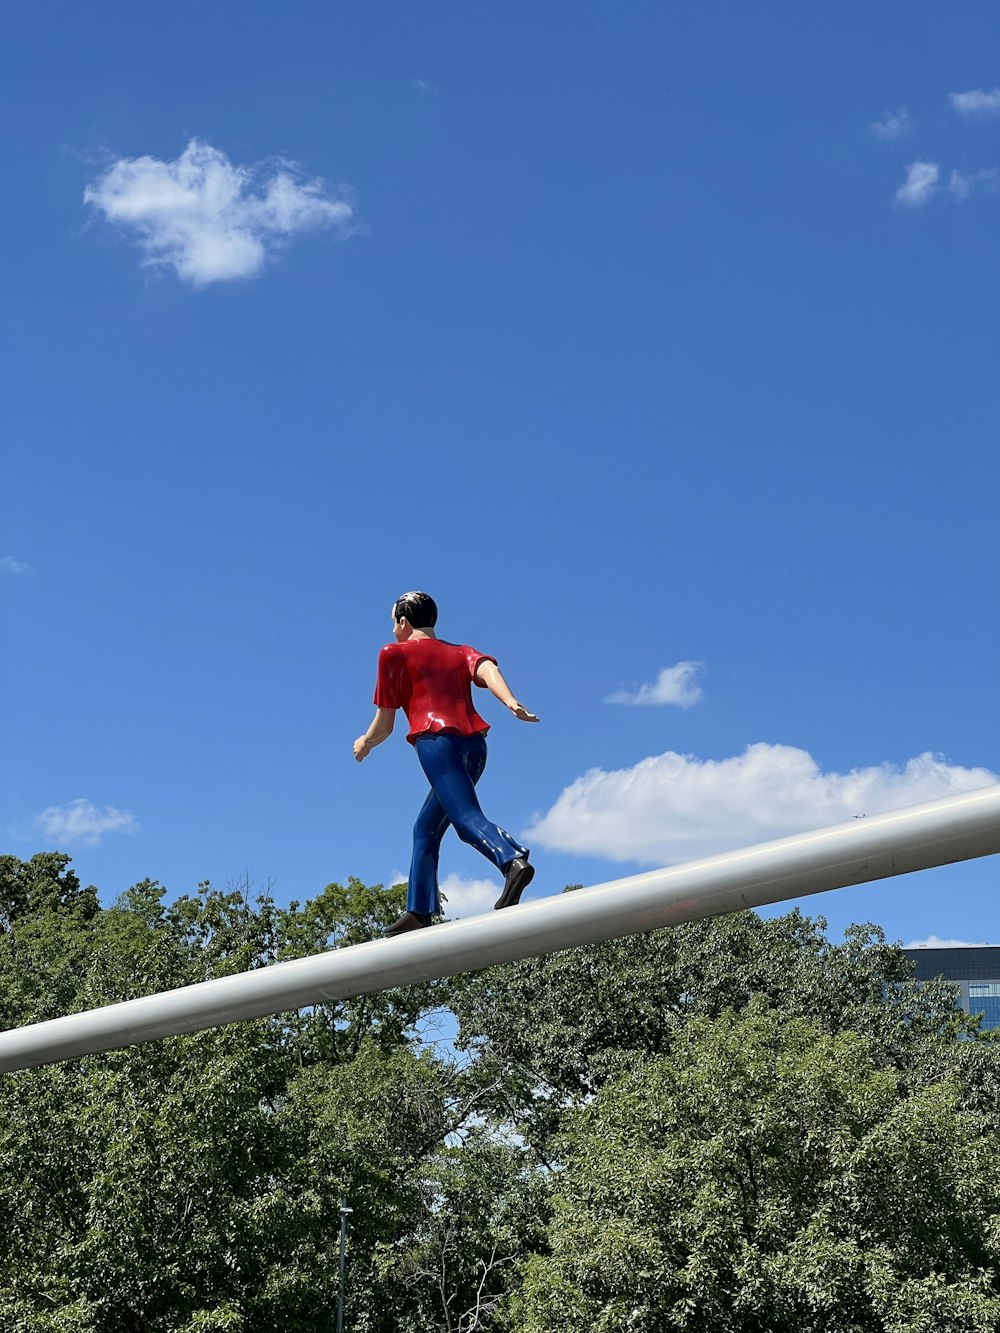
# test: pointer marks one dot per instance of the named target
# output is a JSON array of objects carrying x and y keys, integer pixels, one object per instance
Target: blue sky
[{"x": 657, "y": 342}]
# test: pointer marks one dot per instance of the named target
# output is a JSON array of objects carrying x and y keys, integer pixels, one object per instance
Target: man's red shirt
[{"x": 431, "y": 681}]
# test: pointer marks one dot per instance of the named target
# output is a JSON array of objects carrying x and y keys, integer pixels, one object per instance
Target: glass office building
[{"x": 976, "y": 970}]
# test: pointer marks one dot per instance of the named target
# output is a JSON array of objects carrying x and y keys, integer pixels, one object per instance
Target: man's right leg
[
  {"x": 431, "y": 826},
  {"x": 423, "y": 901}
]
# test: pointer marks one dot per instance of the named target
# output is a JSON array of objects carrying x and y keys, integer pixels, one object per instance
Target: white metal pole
[{"x": 936, "y": 833}]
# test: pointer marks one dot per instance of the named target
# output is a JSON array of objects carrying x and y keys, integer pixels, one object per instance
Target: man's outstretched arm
[
  {"x": 488, "y": 674},
  {"x": 380, "y": 729}
]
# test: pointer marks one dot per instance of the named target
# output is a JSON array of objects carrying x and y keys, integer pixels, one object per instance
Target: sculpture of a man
[{"x": 431, "y": 680}]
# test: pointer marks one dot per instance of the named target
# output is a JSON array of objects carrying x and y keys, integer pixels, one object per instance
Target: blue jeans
[{"x": 453, "y": 765}]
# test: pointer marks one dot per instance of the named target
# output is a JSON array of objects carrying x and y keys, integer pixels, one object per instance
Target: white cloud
[
  {"x": 673, "y": 807},
  {"x": 921, "y": 182},
  {"x": 674, "y": 685},
  {"x": 425, "y": 86},
  {"x": 932, "y": 942},
  {"x": 469, "y": 897},
  {"x": 82, "y": 821},
  {"x": 466, "y": 897},
  {"x": 960, "y": 186},
  {"x": 893, "y": 124},
  {"x": 976, "y": 102},
  {"x": 209, "y": 219},
  {"x": 8, "y": 565}
]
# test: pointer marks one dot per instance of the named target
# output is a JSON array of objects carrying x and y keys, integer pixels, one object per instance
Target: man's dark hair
[{"x": 418, "y": 608}]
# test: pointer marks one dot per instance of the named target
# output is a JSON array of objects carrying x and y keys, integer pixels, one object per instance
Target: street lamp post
[{"x": 344, "y": 1211}]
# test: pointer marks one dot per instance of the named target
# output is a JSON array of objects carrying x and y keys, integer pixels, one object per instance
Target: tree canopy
[{"x": 730, "y": 1125}]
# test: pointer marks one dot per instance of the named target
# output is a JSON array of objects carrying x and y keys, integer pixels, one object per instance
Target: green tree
[
  {"x": 484, "y": 1210},
  {"x": 341, "y": 916},
  {"x": 551, "y": 1031},
  {"x": 193, "y": 1183},
  {"x": 770, "y": 1177},
  {"x": 46, "y": 917},
  {"x": 197, "y": 1179}
]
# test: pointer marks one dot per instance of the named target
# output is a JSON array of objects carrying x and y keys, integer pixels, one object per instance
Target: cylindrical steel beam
[{"x": 916, "y": 838}]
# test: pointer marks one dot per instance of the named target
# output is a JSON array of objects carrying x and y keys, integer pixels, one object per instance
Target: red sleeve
[
  {"x": 473, "y": 657},
  {"x": 388, "y": 686}
]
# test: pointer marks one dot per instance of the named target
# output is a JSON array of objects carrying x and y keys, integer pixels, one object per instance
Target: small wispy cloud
[
  {"x": 962, "y": 184},
  {"x": 425, "y": 86},
  {"x": 8, "y": 565},
  {"x": 932, "y": 942},
  {"x": 209, "y": 219},
  {"x": 893, "y": 124},
  {"x": 976, "y": 102},
  {"x": 674, "y": 685},
  {"x": 920, "y": 184},
  {"x": 82, "y": 821}
]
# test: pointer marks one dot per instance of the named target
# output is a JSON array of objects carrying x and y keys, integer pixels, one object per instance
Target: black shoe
[
  {"x": 517, "y": 877},
  {"x": 408, "y": 921}
]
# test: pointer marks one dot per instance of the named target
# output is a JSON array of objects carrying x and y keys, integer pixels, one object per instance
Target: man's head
[{"x": 414, "y": 610}]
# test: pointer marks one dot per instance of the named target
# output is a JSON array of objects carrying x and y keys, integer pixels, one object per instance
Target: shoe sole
[{"x": 511, "y": 895}]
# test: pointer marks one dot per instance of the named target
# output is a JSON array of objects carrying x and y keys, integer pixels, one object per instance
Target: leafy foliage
[
  {"x": 194, "y": 1183},
  {"x": 554, "y": 1030},
  {"x": 729, "y": 1125},
  {"x": 770, "y": 1176}
]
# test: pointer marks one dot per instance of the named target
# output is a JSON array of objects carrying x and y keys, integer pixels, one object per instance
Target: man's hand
[
  {"x": 521, "y": 713},
  {"x": 379, "y": 730}
]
